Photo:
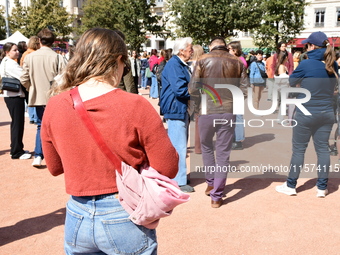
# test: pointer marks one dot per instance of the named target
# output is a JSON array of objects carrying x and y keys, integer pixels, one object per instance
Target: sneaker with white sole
[
  {"x": 285, "y": 189},
  {"x": 25, "y": 156},
  {"x": 321, "y": 193},
  {"x": 37, "y": 161}
]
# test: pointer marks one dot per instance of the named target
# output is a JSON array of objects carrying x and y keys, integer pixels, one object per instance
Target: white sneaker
[
  {"x": 321, "y": 193},
  {"x": 26, "y": 155},
  {"x": 37, "y": 161},
  {"x": 285, "y": 189}
]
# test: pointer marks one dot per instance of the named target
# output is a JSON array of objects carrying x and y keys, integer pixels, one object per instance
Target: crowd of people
[{"x": 183, "y": 79}]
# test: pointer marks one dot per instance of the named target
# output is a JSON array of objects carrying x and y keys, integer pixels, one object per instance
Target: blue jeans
[
  {"x": 143, "y": 78},
  {"x": 178, "y": 134},
  {"x": 100, "y": 225},
  {"x": 31, "y": 113},
  {"x": 318, "y": 126},
  {"x": 38, "y": 147},
  {"x": 154, "y": 86},
  {"x": 239, "y": 129}
]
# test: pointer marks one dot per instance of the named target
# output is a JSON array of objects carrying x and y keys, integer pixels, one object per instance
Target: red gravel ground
[{"x": 254, "y": 218}]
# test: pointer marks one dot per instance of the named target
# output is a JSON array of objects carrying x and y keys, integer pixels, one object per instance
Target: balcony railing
[{"x": 319, "y": 24}]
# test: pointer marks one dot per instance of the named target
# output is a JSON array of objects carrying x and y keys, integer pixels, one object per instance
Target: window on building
[
  {"x": 319, "y": 17},
  {"x": 247, "y": 34},
  {"x": 159, "y": 13},
  {"x": 338, "y": 16},
  {"x": 79, "y": 3},
  {"x": 148, "y": 43},
  {"x": 161, "y": 45}
]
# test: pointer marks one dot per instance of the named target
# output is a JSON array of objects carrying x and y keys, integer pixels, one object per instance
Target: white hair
[{"x": 181, "y": 44}]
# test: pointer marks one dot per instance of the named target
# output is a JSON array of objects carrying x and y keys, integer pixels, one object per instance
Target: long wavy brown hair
[
  {"x": 95, "y": 56},
  {"x": 329, "y": 58},
  {"x": 281, "y": 57}
]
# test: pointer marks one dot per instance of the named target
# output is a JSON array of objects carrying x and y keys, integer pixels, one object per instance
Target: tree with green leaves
[
  {"x": 205, "y": 19},
  {"x": 2, "y": 23},
  {"x": 41, "y": 14},
  {"x": 99, "y": 13},
  {"x": 282, "y": 20},
  {"x": 18, "y": 18},
  {"x": 133, "y": 17}
]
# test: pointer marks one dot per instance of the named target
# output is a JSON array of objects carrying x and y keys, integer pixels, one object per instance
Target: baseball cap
[{"x": 316, "y": 38}]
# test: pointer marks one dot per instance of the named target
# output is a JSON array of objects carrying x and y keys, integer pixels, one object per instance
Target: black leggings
[{"x": 16, "y": 108}]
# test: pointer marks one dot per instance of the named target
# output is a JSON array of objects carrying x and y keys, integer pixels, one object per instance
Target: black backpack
[{"x": 155, "y": 69}]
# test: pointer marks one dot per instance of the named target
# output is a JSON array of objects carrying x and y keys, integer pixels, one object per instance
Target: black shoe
[
  {"x": 237, "y": 146},
  {"x": 31, "y": 121},
  {"x": 187, "y": 188}
]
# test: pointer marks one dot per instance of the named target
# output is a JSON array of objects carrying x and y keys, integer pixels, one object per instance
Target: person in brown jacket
[{"x": 217, "y": 67}]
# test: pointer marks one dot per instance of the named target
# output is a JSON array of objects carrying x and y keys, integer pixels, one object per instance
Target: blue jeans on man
[
  {"x": 38, "y": 147},
  {"x": 239, "y": 128},
  {"x": 318, "y": 126},
  {"x": 178, "y": 134}
]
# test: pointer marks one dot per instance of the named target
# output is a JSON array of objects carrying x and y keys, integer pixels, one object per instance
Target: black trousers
[
  {"x": 135, "y": 80},
  {"x": 16, "y": 108}
]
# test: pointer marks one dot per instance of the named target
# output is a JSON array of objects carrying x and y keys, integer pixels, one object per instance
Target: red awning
[{"x": 297, "y": 42}]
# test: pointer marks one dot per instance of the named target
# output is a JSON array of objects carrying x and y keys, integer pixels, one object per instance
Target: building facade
[{"x": 320, "y": 15}]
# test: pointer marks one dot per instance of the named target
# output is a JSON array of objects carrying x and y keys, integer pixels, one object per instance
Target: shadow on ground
[
  {"x": 251, "y": 184},
  {"x": 32, "y": 226},
  {"x": 5, "y": 123},
  {"x": 261, "y": 138},
  {"x": 4, "y": 152}
]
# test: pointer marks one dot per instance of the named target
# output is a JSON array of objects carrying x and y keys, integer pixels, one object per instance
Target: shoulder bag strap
[
  {"x": 258, "y": 66},
  {"x": 5, "y": 68},
  {"x": 57, "y": 63},
  {"x": 80, "y": 109}
]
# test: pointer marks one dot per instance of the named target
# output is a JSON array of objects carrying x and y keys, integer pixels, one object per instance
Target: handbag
[
  {"x": 148, "y": 72},
  {"x": 10, "y": 84},
  {"x": 146, "y": 194},
  {"x": 263, "y": 73}
]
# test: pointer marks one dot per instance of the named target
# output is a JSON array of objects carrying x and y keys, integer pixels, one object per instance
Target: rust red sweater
[{"x": 128, "y": 123}]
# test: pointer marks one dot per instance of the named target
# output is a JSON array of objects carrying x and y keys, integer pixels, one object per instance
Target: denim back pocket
[
  {"x": 72, "y": 224},
  {"x": 125, "y": 237}
]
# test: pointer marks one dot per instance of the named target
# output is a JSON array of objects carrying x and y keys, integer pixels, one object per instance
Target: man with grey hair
[
  {"x": 174, "y": 104},
  {"x": 212, "y": 70}
]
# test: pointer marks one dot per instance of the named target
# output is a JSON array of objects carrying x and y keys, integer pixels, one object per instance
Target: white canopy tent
[{"x": 15, "y": 38}]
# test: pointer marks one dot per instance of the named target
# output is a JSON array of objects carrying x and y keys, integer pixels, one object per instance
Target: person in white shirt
[{"x": 15, "y": 101}]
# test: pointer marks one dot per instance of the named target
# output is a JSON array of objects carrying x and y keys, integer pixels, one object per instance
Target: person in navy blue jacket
[
  {"x": 318, "y": 74},
  {"x": 174, "y": 103}
]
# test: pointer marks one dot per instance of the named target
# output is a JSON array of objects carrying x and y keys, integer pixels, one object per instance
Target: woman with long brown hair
[{"x": 96, "y": 223}]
